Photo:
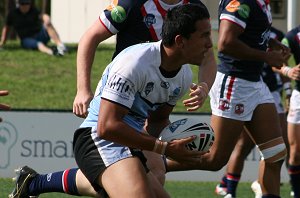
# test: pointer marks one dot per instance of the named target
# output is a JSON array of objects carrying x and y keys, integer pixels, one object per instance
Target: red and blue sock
[
  {"x": 232, "y": 183},
  {"x": 294, "y": 172},
  {"x": 63, "y": 181}
]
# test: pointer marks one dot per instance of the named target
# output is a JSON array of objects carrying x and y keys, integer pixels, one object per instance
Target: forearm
[
  {"x": 4, "y": 35},
  {"x": 208, "y": 69},
  {"x": 240, "y": 50},
  {"x": 85, "y": 58}
]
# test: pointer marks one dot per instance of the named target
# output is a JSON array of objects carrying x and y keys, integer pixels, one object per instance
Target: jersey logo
[
  {"x": 244, "y": 11},
  {"x": 165, "y": 85},
  {"x": 121, "y": 86},
  {"x": 233, "y": 6},
  {"x": 223, "y": 104},
  {"x": 112, "y": 5},
  {"x": 149, "y": 20},
  {"x": 149, "y": 88},
  {"x": 118, "y": 14},
  {"x": 239, "y": 109}
]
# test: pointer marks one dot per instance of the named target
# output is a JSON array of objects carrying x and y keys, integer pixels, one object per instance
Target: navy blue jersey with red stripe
[
  {"x": 136, "y": 21},
  {"x": 271, "y": 78},
  {"x": 254, "y": 17},
  {"x": 292, "y": 40}
]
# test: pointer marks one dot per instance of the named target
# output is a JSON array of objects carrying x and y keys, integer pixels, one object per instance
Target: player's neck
[
  {"x": 171, "y": 59},
  {"x": 171, "y": 2}
]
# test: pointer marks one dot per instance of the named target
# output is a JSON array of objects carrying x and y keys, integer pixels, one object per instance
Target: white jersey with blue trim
[{"x": 134, "y": 80}]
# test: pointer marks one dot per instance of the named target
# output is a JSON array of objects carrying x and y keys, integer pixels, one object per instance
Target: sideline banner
[{"x": 43, "y": 141}]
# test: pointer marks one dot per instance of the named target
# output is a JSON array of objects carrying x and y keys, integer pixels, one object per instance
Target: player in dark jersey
[
  {"x": 292, "y": 40},
  {"x": 273, "y": 80},
  {"x": 239, "y": 97},
  {"x": 133, "y": 22}
]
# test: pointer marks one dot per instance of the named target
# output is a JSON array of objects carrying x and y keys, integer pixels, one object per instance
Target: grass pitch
[{"x": 176, "y": 189}]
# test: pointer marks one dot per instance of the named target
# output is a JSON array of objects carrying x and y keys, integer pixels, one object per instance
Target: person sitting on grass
[{"x": 33, "y": 28}]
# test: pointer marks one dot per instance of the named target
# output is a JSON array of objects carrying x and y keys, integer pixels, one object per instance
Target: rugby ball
[{"x": 187, "y": 127}]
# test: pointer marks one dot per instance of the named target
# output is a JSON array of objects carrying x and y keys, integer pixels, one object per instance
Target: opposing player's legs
[
  {"x": 156, "y": 165},
  {"x": 53, "y": 34},
  {"x": 294, "y": 142},
  {"x": 265, "y": 130},
  {"x": 128, "y": 178}
]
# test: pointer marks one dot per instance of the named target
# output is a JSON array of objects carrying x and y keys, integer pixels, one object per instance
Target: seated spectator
[{"x": 33, "y": 28}]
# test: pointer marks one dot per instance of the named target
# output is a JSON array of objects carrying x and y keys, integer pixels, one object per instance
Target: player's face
[{"x": 199, "y": 43}]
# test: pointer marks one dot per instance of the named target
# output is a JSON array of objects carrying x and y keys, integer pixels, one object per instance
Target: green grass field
[{"x": 175, "y": 188}]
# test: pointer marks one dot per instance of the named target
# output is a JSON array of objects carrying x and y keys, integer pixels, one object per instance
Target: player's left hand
[
  {"x": 4, "y": 106},
  {"x": 198, "y": 94}
]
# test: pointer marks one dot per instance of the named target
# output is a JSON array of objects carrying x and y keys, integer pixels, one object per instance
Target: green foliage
[
  {"x": 39, "y": 81},
  {"x": 177, "y": 189}
]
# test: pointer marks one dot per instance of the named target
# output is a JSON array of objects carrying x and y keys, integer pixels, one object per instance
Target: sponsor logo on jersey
[
  {"x": 112, "y": 5},
  {"x": 233, "y": 6},
  {"x": 149, "y": 20},
  {"x": 149, "y": 88},
  {"x": 165, "y": 85},
  {"x": 223, "y": 104},
  {"x": 118, "y": 14},
  {"x": 176, "y": 91},
  {"x": 239, "y": 109},
  {"x": 244, "y": 11},
  {"x": 120, "y": 85},
  {"x": 173, "y": 126},
  {"x": 285, "y": 42},
  {"x": 265, "y": 37}
]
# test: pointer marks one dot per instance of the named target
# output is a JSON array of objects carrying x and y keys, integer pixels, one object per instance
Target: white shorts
[
  {"x": 278, "y": 103},
  {"x": 236, "y": 98},
  {"x": 294, "y": 111}
]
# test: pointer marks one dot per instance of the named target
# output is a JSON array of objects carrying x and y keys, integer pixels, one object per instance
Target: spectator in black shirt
[{"x": 33, "y": 28}]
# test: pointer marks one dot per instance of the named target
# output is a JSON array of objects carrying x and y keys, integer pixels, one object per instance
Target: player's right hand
[
  {"x": 81, "y": 103},
  {"x": 177, "y": 151},
  {"x": 275, "y": 58}
]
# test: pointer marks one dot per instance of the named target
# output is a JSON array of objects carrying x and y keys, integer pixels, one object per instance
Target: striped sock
[
  {"x": 63, "y": 181},
  {"x": 232, "y": 183},
  {"x": 294, "y": 172},
  {"x": 223, "y": 182}
]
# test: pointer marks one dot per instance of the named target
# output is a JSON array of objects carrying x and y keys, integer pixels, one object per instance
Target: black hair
[{"x": 181, "y": 20}]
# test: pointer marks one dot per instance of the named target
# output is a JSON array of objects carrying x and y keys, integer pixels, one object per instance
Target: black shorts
[{"x": 90, "y": 161}]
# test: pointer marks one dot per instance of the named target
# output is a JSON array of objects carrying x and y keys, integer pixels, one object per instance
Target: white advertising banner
[{"x": 43, "y": 141}]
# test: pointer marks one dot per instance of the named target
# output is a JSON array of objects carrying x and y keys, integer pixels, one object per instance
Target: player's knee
[{"x": 273, "y": 150}]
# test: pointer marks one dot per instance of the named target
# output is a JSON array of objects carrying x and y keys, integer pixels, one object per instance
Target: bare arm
[
  {"x": 206, "y": 78},
  {"x": 4, "y": 106},
  {"x": 230, "y": 44},
  {"x": 112, "y": 127},
  {"x": 158, "y": 120},
  {"x": 5, "y": 31},
  {"x": 85, "y": 58}
]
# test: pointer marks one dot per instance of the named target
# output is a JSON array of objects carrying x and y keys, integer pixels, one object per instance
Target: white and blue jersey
[
  {"x": 134, "y": 80},
  {"x": 254, "y": 17}
]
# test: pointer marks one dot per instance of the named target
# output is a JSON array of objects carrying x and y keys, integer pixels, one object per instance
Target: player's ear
[{"x": 179, "y": 41}]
